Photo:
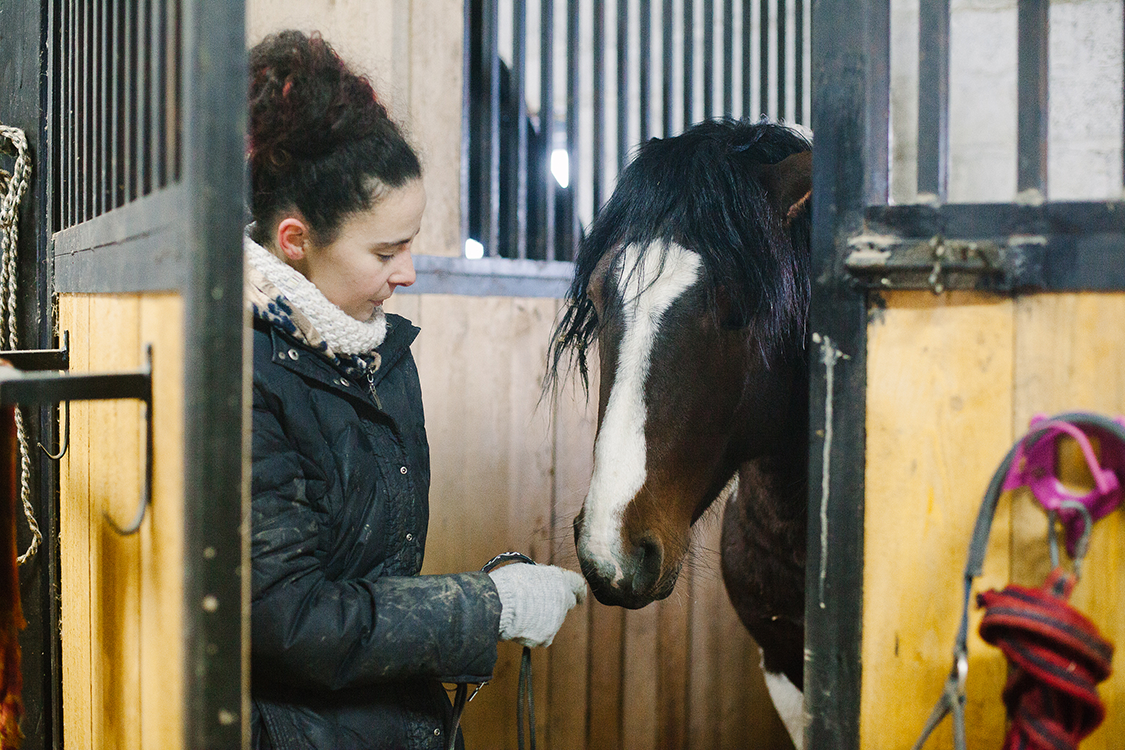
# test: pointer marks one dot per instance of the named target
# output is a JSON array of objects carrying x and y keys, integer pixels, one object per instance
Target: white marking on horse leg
[
  {"x": 652, "y": 282},
  {"x": 790, "y": 705}
]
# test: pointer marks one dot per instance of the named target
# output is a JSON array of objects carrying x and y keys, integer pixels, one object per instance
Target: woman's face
[{"x": 370, "y": 256}]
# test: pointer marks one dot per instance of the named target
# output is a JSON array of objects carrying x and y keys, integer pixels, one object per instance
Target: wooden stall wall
[
  {"x": 953, "y": 381},
  {"x": 510, "y": 471},
  {"x": 122, "y": 621}
]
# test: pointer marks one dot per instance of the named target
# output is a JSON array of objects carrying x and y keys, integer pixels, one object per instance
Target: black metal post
[
  {"x": 728, "y": 57},
  {"x": 666, "y": 67},
  {"x": 764, "y": 56},
  {"x": 837, "y": 362},
  {"x": 1032, "y": 96},
  {"x": 547, "y": 122},
  {"x": 519, "y": 108},
  {"x": 598, "y": 95},
  {"x": 708, "y": 58},
  {"x": 623, "y": 84},
  {"x": 689, "y": 62},
  {"x": 782, "y": 68},
  {"x": 573, "y": 95},
  {"x": 933, "y": 98},
  {"x": 747, "y": 60},
  {"x": 644, "y": 82},
  {"x": 800, "y": 116}
]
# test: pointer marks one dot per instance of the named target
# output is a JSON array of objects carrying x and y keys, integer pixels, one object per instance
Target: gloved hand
[{"x": 534, "y": 600}]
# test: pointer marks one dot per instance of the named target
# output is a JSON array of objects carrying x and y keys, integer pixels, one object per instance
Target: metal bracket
[
  {"x": 940, "y": 264},
  {"x": 18, "y": 387}
]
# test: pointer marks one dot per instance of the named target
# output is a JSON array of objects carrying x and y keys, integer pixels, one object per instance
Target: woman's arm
[{"x": 314, "y": 632}]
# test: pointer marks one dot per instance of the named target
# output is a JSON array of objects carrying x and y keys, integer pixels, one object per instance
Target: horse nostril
[{"x": 649, "y": 559}]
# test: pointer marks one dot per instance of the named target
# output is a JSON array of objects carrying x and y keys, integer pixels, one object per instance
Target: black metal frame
[
  {"x": 22, "y": 99},
  {"x": 860, "y": 243},
  {"x": 145, "y": 182}
]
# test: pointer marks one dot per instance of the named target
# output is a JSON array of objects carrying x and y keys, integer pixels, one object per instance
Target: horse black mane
[{"x": 701, "y": 191}]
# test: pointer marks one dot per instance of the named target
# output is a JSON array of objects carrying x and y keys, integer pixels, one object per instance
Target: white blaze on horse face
[{"x": 652, "y": 282}]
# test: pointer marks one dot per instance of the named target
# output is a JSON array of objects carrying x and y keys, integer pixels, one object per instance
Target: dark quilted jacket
[{"x": 349, "y": 643}]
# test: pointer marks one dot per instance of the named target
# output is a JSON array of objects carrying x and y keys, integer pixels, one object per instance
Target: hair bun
[{"x": 304, "y": 102}]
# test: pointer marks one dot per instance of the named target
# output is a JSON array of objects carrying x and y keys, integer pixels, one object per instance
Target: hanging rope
[
  {"x": 1057, "y": 659},
  {"x": 15, "y": 186},
  {"x": 1058, "y": 656}
]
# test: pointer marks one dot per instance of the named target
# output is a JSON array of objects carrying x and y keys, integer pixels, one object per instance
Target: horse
[{"x": 693, "y": 282}]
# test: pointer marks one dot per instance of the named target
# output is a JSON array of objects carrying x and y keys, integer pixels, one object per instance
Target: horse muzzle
[{"x": 633, "y": 578}]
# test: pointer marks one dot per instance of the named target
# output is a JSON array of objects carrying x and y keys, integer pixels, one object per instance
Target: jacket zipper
[{"x": 369, "y": 372}]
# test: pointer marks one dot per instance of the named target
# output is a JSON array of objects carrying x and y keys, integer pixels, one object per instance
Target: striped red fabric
[{"x": 1057, "y": 659}]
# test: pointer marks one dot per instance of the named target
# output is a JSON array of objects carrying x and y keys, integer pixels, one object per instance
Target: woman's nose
[{"x": 404, "y": 272}]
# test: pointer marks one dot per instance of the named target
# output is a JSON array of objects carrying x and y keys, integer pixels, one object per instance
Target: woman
[{"x": 349, "y": 644}]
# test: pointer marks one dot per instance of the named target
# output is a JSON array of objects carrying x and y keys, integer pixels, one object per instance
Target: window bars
[
  {"x": 559, "y": 92},
  {"x": 117, "y": 104}
]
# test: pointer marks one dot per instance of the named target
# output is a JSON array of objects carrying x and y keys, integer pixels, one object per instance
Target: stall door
[
  {"x": 939, "y": 329},
  {"x": 145, "y": 126}
]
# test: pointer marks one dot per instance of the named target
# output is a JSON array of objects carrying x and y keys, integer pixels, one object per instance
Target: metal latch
[{"x": 939, "y": 264}]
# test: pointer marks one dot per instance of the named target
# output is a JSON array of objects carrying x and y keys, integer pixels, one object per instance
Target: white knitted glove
[{"x": 534, "y": 600}]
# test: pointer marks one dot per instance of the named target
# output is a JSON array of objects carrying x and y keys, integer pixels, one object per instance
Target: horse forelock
[{"x": 700, "y": 190}]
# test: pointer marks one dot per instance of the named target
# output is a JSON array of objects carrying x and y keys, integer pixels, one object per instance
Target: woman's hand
[{"x": 534, "y": 600}]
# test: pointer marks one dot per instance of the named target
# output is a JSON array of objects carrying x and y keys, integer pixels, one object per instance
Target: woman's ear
[{"x": 292, "y": 237}]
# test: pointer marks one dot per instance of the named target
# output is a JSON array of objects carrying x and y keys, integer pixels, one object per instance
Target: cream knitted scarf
[{"x": 275, "y": 290}]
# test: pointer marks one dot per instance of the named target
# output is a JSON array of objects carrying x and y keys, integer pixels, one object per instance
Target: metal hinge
[{"x": 939, "y": 264}]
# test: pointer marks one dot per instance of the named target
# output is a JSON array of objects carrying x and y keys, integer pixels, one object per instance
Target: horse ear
[{"x": 789, "y": 185}]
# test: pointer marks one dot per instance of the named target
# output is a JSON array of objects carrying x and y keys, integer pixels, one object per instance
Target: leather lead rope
[{"x": 462, "y": 697}]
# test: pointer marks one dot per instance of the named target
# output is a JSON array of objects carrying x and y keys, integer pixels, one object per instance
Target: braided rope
[{"x": 9, "y": 234}]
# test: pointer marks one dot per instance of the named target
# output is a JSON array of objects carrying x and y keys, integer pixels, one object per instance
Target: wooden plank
[
  {"x": 1068, "y": 357},
  {"x": 530, "y": 456},
  {"x": 163, "y": 678},
  {"x": 745, "y": 714},
  {"x": 570, "y": 710},
  {"x": 708, "y": 649},
  {"x": 115, "y": 446},
  {"x": 639, "y": 701},
  {"x": 672, "y": 649},
  {"x": 74, "y": 542},
  {"x": 361, "y": 31},
  {"x": 437, "y": 32},
  {"x": 939, "y": 397},
  {"x": 472, "y": 516},
  {"x": 727, "y": 702}
]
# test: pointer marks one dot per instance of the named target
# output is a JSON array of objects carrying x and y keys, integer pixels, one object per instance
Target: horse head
[{"x": 693, "y": 282}]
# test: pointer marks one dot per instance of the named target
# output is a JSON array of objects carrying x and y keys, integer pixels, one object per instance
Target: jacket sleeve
[{"x": 309, "y": 631}]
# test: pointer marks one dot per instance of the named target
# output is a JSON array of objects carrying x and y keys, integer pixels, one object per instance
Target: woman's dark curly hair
[{"x": 320, "y": 141}]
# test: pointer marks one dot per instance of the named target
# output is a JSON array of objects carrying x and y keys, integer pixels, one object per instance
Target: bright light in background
[
  {"x": 560, "y": 166},
  {"x": 473, "y": 249}
]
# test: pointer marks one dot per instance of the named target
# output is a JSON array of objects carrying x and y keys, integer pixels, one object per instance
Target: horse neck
[{"x": 781, "y": 467}]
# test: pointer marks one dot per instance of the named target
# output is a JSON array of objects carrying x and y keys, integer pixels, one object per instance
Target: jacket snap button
[
  {"x": 403, "y": 470},
  {"x": 437, "y": 733},
  {"x": 410, "y": 537},
  {"x": 293, "y": 354},
  {"x": 342, "y": 382}
]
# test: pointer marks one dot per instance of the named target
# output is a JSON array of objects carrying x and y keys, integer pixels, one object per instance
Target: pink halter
[{"x": 1034, "y": 466}]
